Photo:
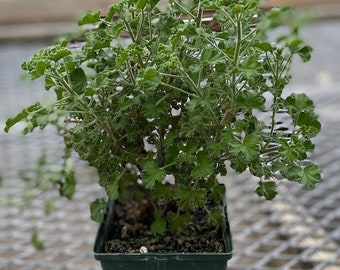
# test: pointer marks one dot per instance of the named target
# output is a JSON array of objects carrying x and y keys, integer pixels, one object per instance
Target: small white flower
[
  {"x": 143, "y": 249},
  {"x": 170, "y": 179}
]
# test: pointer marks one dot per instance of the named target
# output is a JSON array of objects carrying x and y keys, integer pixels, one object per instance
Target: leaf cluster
[{"x": 178, "y": 100}]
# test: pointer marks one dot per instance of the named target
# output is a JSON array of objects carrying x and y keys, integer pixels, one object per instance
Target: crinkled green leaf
[
  {"x": 97, "y": 207},
  {"x": 121, "y": 58},
  {"x": 90, "y": 18},
  {"x": 301, "y": 108},
  {"x": 289, "y": 152},
  {"x": 191, "y": 198},
  {"x": 187, "y": 151},
  {"x": 250, "y": 100},
  {"x": 297, "y": 103},
  {"x": 49, "y": 82},
  {"x": 153, "y": 110},
  {"x": 265, "y": 46},
  {"x": 100, "y": 44},
  {"x": 113, "y": 9},
  {"x": 238, "y": 8},
  {"x": 295, "y": 45},
  {"x": 309, "y": 175},
  {"x": 308, "y": 121},
  {"x": 89, "y": 92},
  {"x": 112, "y": 190},
  {"x": 177, "y": 222},
  {"x": 162, "y": 191},
  {"x": 250, "y": 67},
  {"x": 306, "y": 175},
  {"x": 210, "y": 56},
  {"x": 308, "y": 146},
  {"x": 288, "y": 171},
  {"x": 215, "y": 148},
  {"x": 260, "y": 168},
  {"x": 78, "y": 80},
  {"x": 248, "y": 148},
  {"x": 159, "y": 224},
  {"x": 111, "y": 186},
  {"x": 115, "y": 30},
  {"x": 58, "y": 52},
  {"x": 305, "y": 53},
  {"x": 21, "y": 116},
  {"x": 152, "y": 173},
  {"x": 204, "y": 167},
  {"x": 298, "y": 46},
  {"x": 217, "y": 192},
  {"x": 215, "y": 216},
  {"x": 39, "y": 69},
  {"x": 267, "y": 189},
  {"x": 238, "y": 163},
  {"x": 149, "y": 78}
]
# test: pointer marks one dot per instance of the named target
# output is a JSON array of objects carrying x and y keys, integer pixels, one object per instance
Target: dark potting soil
[{"x": 129, "y": 233}]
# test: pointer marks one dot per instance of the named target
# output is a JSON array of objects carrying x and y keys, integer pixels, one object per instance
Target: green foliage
[
  {"x": 267, "y": 189},
  {"x": 46, "y": 176},
  {"x": 159, "y": 225},
  {"x": 190, "y": 198},
  {"x": 215, "y": 217},
  {"x": 97, "y": 207},
  {"x": 152, "y": 173},
  {"x": 90, "y": 18},
  {"x": 178, "y": 99},
  {"x": 204, "y": 167},
  {"x": 248, "y": 148},
  {"x": 25, "y": 114},
  {"x": 301, "y": 109},
  {"x": 177, "y": 222},
  {"x": 309, "y": 175},
  {"x": 37, "y": 243}
]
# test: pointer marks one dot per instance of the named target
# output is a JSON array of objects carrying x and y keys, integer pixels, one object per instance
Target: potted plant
[{"x": 163, "y": 103}]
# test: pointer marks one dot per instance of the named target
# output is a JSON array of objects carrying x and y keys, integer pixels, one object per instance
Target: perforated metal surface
[{"x": 298, "y": 230}]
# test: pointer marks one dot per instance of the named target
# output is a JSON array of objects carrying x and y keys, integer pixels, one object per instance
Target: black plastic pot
[{"x": 160, "y": 261}]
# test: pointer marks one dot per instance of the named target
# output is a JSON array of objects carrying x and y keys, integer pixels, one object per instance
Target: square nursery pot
[{"x": 159, "y": 261}]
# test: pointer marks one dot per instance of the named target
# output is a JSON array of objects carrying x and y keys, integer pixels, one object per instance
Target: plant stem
[
  {"x": 177, "y": 89},
  {"x": 229, "y": 17},
  {"x": 64, "y": 84},
  {"x": 160, "y": 150},
  {"x": 184, "y": 9},
  {"x": 238, "y": 41},
  {"x": 219, "y": 49},
  {"x": 127, "y": 25},
  {"x": 199, "y": 15},
  {"x": 168, "y": 165},
  {"x": 139, "y": 27}
]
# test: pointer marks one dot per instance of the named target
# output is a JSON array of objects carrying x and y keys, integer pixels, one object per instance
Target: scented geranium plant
[{"x": 159, "y": 100}]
